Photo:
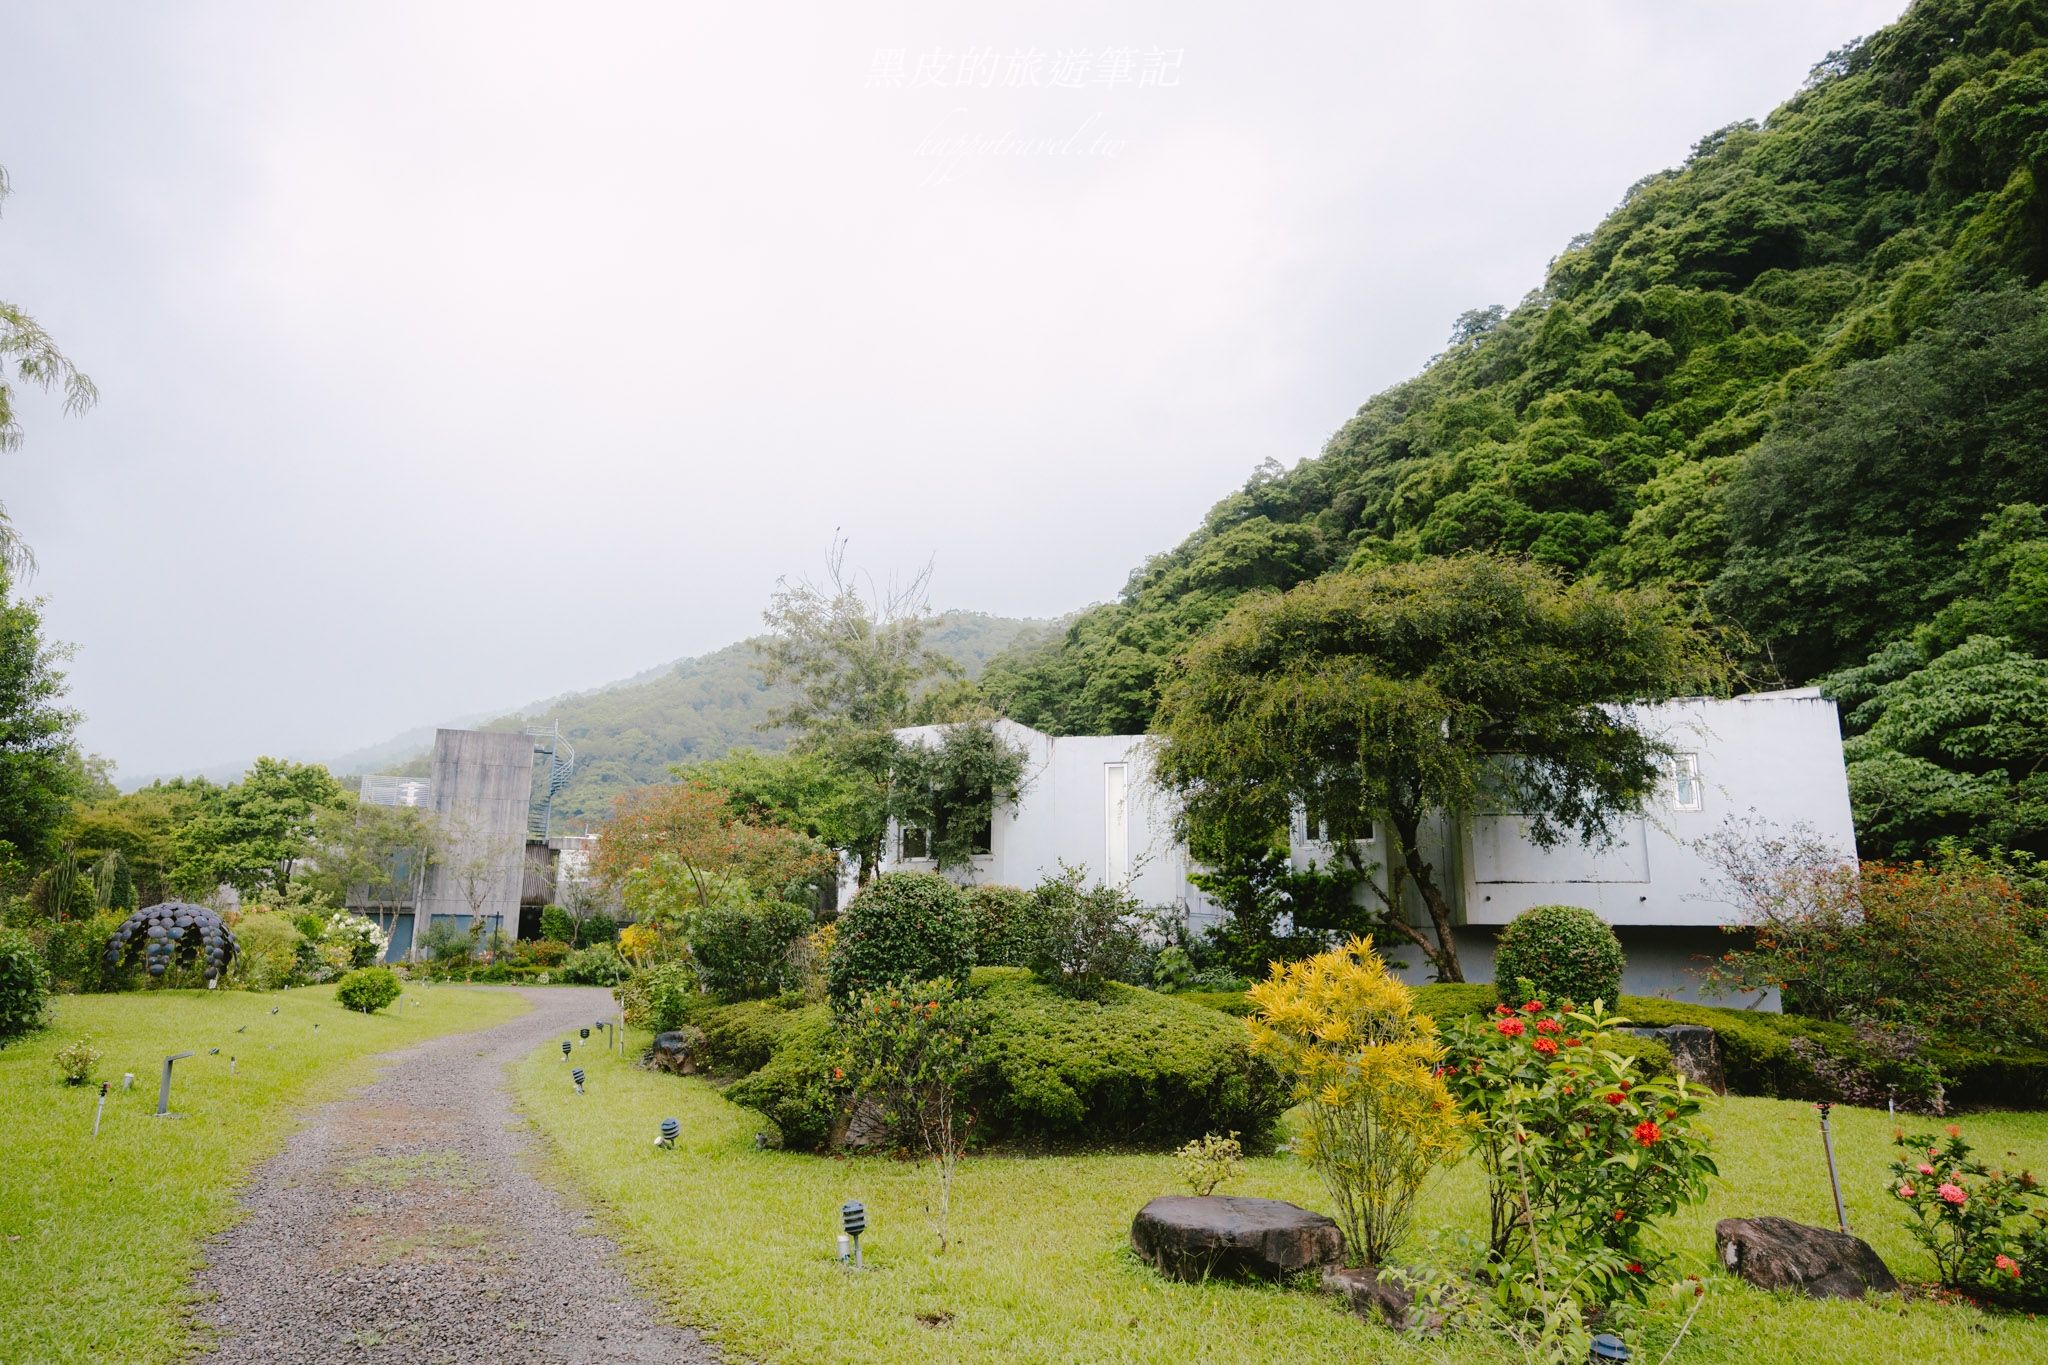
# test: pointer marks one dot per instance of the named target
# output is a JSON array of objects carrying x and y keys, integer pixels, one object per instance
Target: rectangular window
[
  {"x": 914, "y": 843},
  {"x": 1685, "y": 782},
  {"x": 1116, "y": 824}
]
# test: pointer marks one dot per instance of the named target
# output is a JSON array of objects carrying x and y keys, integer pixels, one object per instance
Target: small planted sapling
[{"x": 1210, "y": 1162}]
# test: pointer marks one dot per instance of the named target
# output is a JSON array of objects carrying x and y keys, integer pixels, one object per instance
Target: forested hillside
[
  {"x": 629, "y": 733},
  {"x": 1801, "y": 382}
]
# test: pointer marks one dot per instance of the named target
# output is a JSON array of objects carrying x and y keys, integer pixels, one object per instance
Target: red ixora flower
[
  {"x": 1619, "y": 1215},
  {"x": 1612, "y": 1097},
  {"x": 1635, "y": 1267},
  {"x": 1549, "y": 1026},
  {"x": 1533, "y": 1007},
  {"x": 1546, "y": 1047},
  {"x": 1926, "y": 1169},
  {"x": 1573, "y": 1042},
  {"x": 1511, "y": 1027},
  {"x": 1647, "y": 1133},
  {"x": 1503, "y": 1009},
  {"x": 1905, "y": 1191},
  {"x": 2009, "y": 1266},
  {"x": 1952, "y": 1193}
]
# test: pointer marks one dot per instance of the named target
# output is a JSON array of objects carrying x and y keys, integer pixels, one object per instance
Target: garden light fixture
[
  {"x": 566, "y": 1045},
  {"x": 577, "y": 1076},
  {"x": 670, "y": 1130},
  {"x": 1606, "y": 1347},
  {"x": 99, "y": 1111},
  {"x": 163, "y": 1094},
  {"x": 853, "y": 1221},
  {"x": 584, "y": 1034}
]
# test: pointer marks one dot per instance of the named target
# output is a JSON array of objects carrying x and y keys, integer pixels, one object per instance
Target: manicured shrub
[
  {"x": 598, "y": 966},
  {"x": 795, "y": 1088},
  {"x": 903, "y": 926},
  {"x": 743, "y": 954},
  {"x": 1569, "y": 953},
  {"x": 555, "y": 924},
  {"x": 659, "y": 998},
  {"x": 75, "y": 951},
  {"x": 368, "y": 988},
  {"x": 597, "y": 928},
  {"x": 1087, "y": 936},
  {"x": 1130, "y": 1067},
  {"x": 1006, "y": 925},
  {"x": 24, "y": 984},
  {"x": 269, "y": 951}
]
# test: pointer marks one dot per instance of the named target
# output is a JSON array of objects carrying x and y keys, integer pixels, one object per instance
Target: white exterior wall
[
  {"x": 1067, "y": 811},
  {"x": 1774, "y": 756}
]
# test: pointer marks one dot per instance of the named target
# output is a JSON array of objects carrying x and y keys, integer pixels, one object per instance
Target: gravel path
[{"x": 401, "y": 1226}]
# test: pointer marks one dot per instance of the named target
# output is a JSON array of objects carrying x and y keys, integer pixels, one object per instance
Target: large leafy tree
[
  {"x": 675, "y": 853},
  {"x": 1378, "y": 700},
  {"x": 377, "y": 857},
  {"x": 854, "y": 663},
  {"x": 141, "y": 826},
  {"x": 253, "y": 835},
  {"x": 40, "y": 769}
]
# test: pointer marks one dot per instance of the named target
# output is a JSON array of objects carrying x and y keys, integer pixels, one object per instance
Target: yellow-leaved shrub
[{"x": 1378, "y": 1117}]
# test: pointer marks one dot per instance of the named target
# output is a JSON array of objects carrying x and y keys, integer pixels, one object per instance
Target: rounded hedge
[
  {"x": 1569, "y": 952},
  {"x": 368, "y": 988},
  {"x": 903, "y": 926}
]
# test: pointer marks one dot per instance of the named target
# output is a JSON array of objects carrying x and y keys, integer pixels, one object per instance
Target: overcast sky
[{"x": 456, "y": 356}]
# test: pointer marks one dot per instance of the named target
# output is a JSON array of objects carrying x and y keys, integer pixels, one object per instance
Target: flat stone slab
[
  {"x": 1185, "y": 1237},
  {"x": 1777, "y": 1253}
]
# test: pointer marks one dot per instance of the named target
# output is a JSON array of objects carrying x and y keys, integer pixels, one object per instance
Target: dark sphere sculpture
[{"x": 175, "y": 932}]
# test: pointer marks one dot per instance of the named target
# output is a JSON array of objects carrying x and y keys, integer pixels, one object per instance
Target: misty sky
[{"x": 456, "y": 356}]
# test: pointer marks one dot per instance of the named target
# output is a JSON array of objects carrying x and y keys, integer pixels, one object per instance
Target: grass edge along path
[
  {"x": 99, "y": 1238},
  {"x": 739, "y": 1243}
]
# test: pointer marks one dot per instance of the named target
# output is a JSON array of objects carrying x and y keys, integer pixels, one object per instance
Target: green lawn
[
  {"x": 101, "y": 1235},
  {"x": 740, "y": 1242}
]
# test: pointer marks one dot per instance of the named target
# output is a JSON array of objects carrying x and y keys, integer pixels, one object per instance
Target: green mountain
[
  {"x": 1788, "y": 381},
  {"x": 628, "y": 733}
]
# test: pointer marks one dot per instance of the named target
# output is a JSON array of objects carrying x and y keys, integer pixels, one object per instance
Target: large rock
[
  {"x": 674, "y": 1052},
  {"x": 1695, "y": 1053},
  {"x": 1374, "y": 1298},
  {"x": 1777, "y": 1253},
  {"x": 1190, "y": 1238}
]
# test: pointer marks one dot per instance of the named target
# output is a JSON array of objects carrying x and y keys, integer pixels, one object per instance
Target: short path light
[
  {"x": 584, "y": 1034},
  {"x": 670, "y": 1131},
  {"x": 577, "y": 1076},
  {"x": 1607, "y": 1346},
  {"x": 99, "y": 1111},
  {"x": 163, "y": 1094},
  {"x": 566, "y": 1045},
  {"x": 853, "y": 1220}
]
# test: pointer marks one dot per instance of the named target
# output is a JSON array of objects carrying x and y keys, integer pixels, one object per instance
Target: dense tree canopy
[
  {"x": 1371, "y": 700},
  {"x": 1785, "y": 380}
]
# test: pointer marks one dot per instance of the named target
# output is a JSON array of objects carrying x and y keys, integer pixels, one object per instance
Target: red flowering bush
[
  {"x": 1987, "y": 1230},
  {"x": 1579, "y": 1151}
]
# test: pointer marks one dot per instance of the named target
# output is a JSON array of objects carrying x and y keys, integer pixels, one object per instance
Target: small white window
[
  {"x": 1685, "y": 782},
  {"x": 1116, "y": 824}
]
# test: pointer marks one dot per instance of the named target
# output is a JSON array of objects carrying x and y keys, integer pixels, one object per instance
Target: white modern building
[{"x": 1774, "y": 757}]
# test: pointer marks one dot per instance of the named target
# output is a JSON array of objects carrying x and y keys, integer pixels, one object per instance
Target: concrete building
[
  {"x": 492, "y": 802},
  {"x": 1775, "y": 757}
]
